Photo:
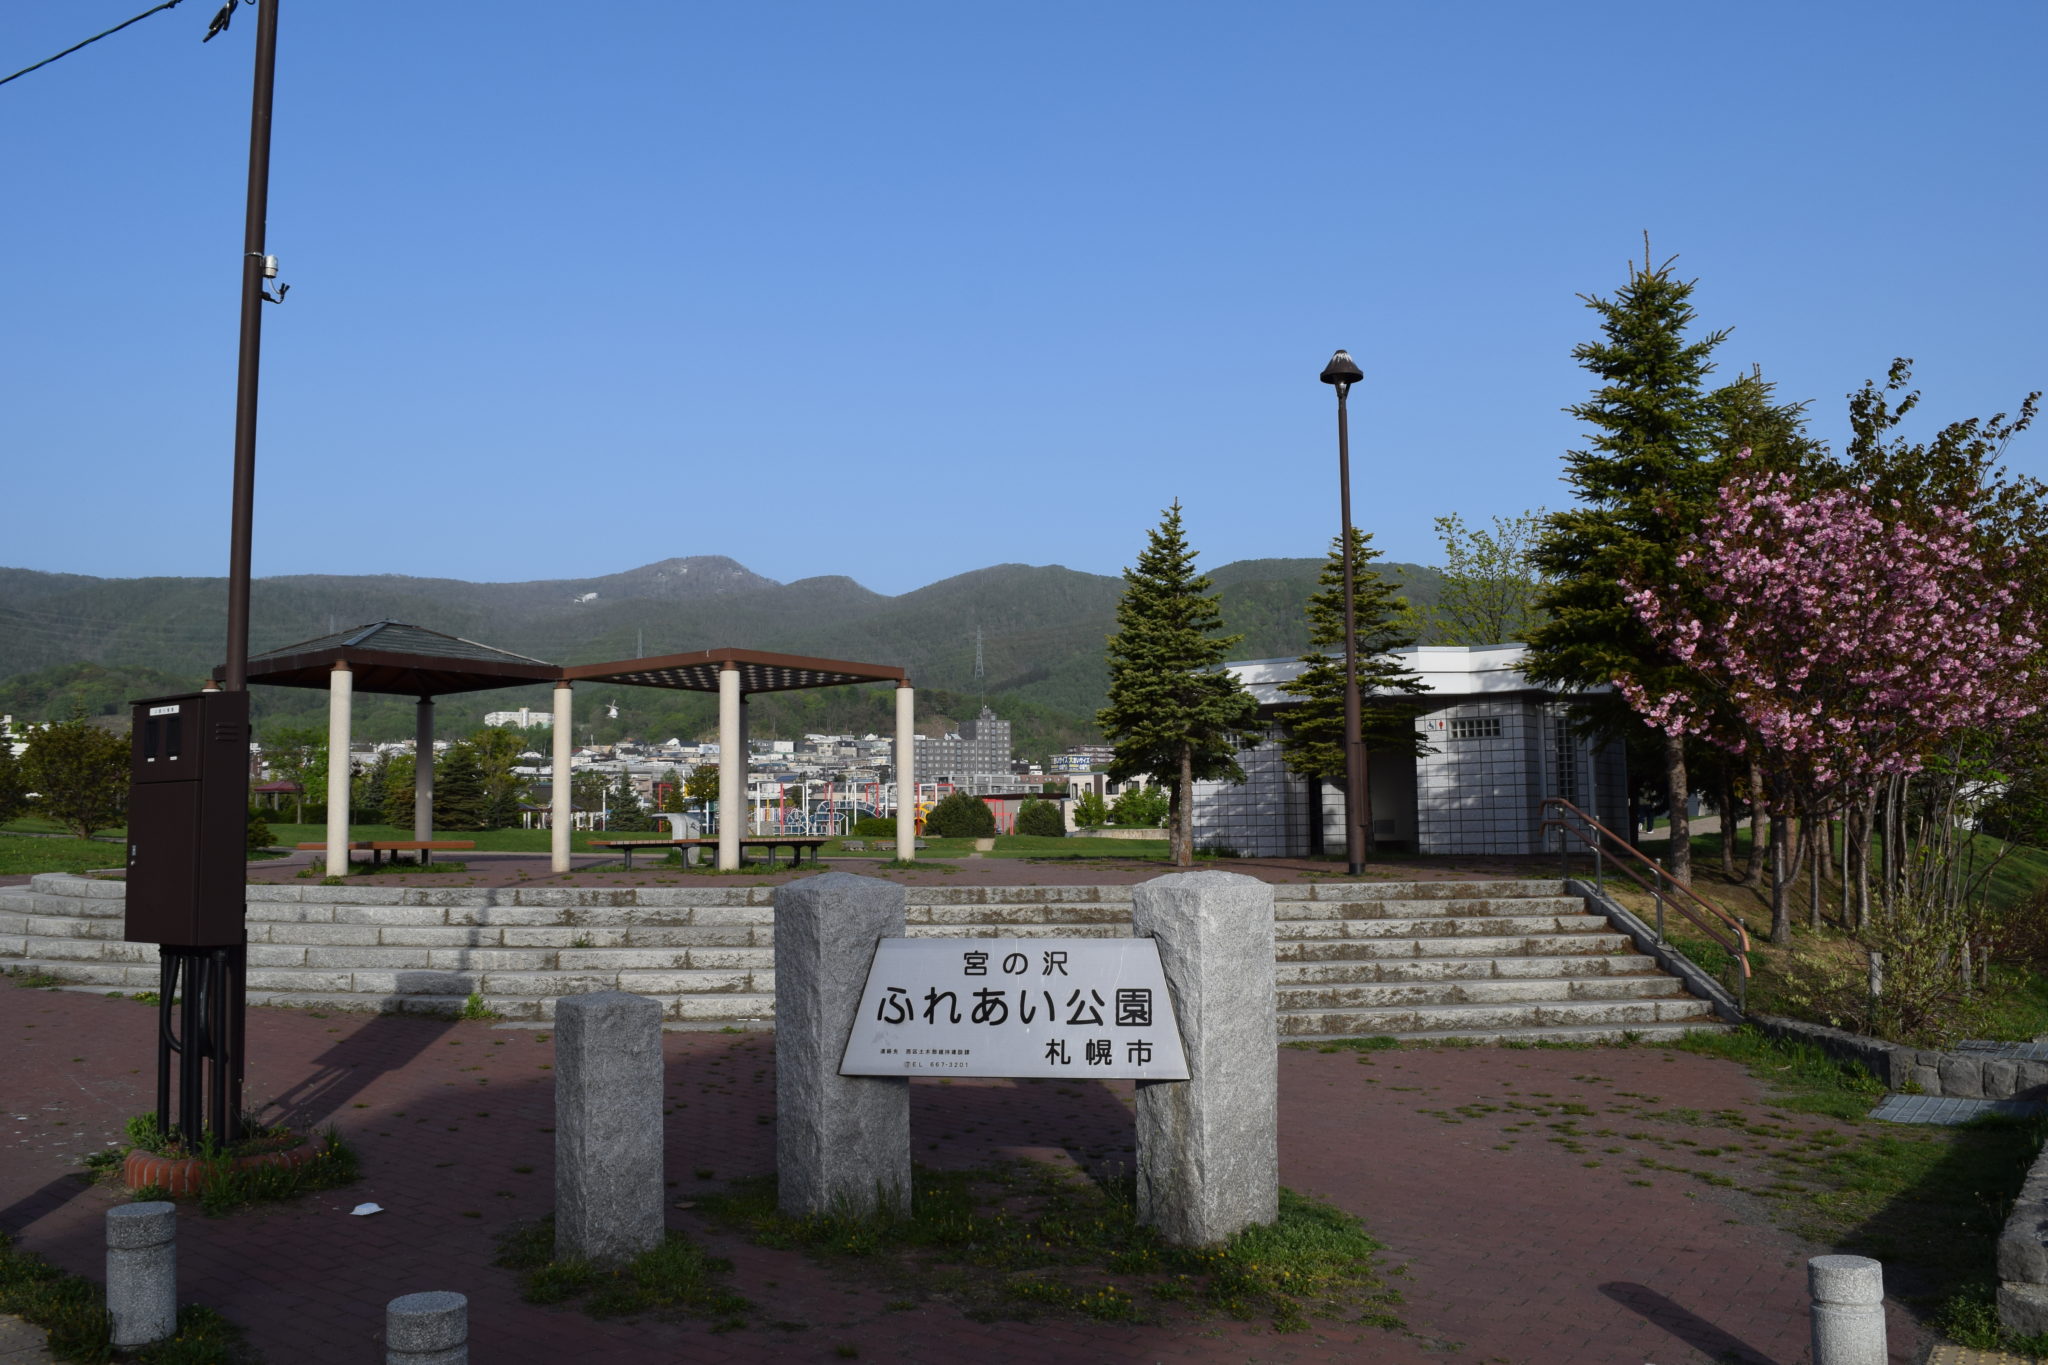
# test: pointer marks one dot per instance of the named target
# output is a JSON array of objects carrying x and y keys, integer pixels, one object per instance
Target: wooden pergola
[{"x": 394, "y": 658}]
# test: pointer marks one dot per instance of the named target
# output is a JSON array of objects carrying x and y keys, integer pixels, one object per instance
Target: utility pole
[{"x": 211, "y": 977}]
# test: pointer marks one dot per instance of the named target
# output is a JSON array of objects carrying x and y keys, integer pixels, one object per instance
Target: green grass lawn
[
  {"x": 486, "y": 841},
  {"x": 1079, "y": 846},
  {"x": 21, "y": 857},
  {"x": 36, "y": 824},
  {"x": 885, "y": 849}
]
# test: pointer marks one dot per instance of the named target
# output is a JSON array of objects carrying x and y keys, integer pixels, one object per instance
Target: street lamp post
[{"x": 1342, "y": 372}]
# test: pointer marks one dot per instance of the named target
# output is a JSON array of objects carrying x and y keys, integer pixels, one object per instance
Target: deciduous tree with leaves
[
  {"x": 79, "y": 774},
  {"x": 1490, "y": 583},
  {"x": 1173, "y": 712},
  {"x": 1836, "y": 647}
]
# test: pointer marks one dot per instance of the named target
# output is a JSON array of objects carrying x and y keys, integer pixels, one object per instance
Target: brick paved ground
[{"x": 1519, "y": 1249}]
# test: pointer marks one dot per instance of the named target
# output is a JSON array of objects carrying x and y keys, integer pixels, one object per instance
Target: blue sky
[{"x": 901, "y": 290}]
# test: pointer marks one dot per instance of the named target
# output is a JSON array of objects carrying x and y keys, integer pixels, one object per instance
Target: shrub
[
  {"x": 874, "y": 827},
  {"x": 960, "y": 816},
  {"x": 1041, "y": 819},
  {"x": 1142, "y": 806},
  {"x": 1927, "y": 1001},
  {"x": 258, "y": 837},
  {"x": 1091, "y": 810}
]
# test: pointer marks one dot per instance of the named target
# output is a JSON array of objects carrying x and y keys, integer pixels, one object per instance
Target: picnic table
[
  {"x": 795, "y": 844},
  {"x": 426, "y": 848}
]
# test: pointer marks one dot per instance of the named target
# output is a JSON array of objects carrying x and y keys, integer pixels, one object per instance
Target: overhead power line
[{"x": 167, "y": 4}]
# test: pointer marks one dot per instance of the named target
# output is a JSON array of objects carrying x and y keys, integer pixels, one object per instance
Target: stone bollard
[
  {"x": 1209, "y": 1146},
  {"x": 1848, "y": 1310},
  {"x": 608, "y": 1083},
  {"x": 142, "y": 1272},
  {"x": 427, "y": 1329},
  {"x": 842, "y": 1143}
]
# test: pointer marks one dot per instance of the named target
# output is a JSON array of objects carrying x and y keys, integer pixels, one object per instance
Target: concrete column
[
  {"x": 732, "y": 768},
  {"x": 562, "y": 815},
  {"x": 1848, "y": 1310},
  {"x": 842, "y": 1143},
  {"x": 142, "y": 1272},
  {"x": 427, "y": 1329},
  {"x": 340, "y": 696},
  {"x": 1209, "y": 1146},
  {"x": 608, "y": 1081},
  {"x": 906, "y": 771},
  {"x": 423, "y": 770},
  {"x": 747, "y": 765}
]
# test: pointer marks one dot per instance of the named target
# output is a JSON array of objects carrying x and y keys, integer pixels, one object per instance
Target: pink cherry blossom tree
[{"x": 1837, "y": 645}]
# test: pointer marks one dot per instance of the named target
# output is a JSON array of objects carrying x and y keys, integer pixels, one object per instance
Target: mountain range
[{"x": 1039, "y": 628}]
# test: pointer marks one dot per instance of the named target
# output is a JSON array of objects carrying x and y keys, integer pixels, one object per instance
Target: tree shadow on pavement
[
  {"x": 1695, "y": 1331},
  {"x": 388, "y": 1042}
]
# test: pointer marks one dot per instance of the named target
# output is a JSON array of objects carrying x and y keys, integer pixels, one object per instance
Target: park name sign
[{"x": 1089, "y": 1008}]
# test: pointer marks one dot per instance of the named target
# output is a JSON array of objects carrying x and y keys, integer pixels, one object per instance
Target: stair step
[
  {"x": 1584, "y": 1036},
  {"x": 1529, "y": 991},
  {"x": 1510, "y": 1018},
  {"x": 1535, "y": 945},
  {"x": 1470, "y": 907},
  {"x": 1339, "y": 964},
  {"x": 1444, "y": 927}
]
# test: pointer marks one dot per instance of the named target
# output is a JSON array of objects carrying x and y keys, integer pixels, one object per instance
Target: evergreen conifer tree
[
  {"x": 1314, "y": 741},
  {"x": 394, "y": 797},
  {"x": 459, "y": 789},
  {"x": 627, "y": 813},
  {"x": 1646, "y": 480},
  {"x": 1173, "y": 712}
]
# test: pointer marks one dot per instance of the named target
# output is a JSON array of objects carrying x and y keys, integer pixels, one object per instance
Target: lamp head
[{"x": 1342, "y": 369}]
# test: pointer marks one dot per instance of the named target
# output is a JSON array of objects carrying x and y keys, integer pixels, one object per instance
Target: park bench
[
  {"x": 795, "y": 845},
  {"x": 426, "y": 848}
]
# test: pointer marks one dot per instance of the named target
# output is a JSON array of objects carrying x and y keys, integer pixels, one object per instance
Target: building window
[{"x": 1476, "y": 727}]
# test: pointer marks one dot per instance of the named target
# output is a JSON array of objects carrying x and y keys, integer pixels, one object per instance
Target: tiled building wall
[
  {"x": 1477, "y": 791},
  {"x": 1264, "y": 816}
]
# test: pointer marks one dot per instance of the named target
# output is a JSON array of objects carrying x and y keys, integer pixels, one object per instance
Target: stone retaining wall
[
  {"x": 1958, "y": 1075},
  {"x": 2023, "y": 1257}
]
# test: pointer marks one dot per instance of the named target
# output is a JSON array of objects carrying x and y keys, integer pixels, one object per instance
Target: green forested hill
[{"x": 68, "y": 638}]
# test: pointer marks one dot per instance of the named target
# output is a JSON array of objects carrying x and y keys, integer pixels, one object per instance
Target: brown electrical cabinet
[{"x": 188, "y": 803}]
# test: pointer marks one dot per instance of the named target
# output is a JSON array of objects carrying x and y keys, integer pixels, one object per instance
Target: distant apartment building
[
  {"x": 976, "y": 757},
  {"x": 1083, "y": 758},
  {"x": 522, "y": 718}
]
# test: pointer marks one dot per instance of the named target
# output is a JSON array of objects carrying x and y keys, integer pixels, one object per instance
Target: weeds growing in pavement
[
  {"x": 1381, "y": 1044},
  {"x": 475, "y": 1008},
  {"x": 675, "y": 1277},
  {"x": 1928, "y": 1201},
  {"x": 224, "y": 1188},
  {"x": 73, "y": 1311},
  {"x": 1014, "y": 1239}
]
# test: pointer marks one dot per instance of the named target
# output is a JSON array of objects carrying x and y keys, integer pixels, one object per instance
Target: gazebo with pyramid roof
[{"x": 394, "y": 658}]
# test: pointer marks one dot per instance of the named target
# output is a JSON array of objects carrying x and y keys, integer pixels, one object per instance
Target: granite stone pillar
[
  {"x": 842, "y": 1143},
  {"x": 608, "y": 1080},
  {"x": 1208, "y": 1147},
  {"x": 427, "y": 1329},
  {"x": 142, "y": 1272},
  {"x": 1848, "y": 1310}
]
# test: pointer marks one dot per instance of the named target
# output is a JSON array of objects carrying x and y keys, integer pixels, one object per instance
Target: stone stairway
[
  {"x": 1487, "y": 962},
  {"x": 1484, "y": 961}
]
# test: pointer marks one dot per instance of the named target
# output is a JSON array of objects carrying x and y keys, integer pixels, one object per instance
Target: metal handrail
[{"x": 1732, "y": 935}]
